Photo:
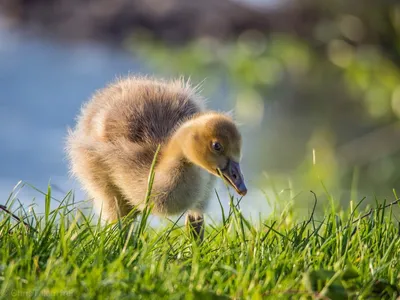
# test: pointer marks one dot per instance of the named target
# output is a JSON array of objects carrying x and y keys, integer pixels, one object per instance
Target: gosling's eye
[{"x": 217, "y": 146}]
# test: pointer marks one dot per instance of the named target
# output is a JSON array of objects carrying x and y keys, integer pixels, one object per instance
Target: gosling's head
[{"x": 215, "y": 144}]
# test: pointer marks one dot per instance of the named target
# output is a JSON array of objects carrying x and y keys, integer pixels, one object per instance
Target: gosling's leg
[{"x": 195, "y": 224}]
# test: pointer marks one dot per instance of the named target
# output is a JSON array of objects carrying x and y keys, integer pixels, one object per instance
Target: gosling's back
[{"x": 142, "y": 110}]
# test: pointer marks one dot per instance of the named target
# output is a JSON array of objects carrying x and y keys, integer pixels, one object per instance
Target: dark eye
[{"x": 217, "y": 146}]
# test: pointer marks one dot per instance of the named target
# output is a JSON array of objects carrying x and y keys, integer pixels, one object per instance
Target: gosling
[{"x": 116, "y": 137}]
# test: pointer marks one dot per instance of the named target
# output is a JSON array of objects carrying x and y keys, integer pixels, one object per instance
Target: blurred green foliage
[{"x": 310, "y": 104}]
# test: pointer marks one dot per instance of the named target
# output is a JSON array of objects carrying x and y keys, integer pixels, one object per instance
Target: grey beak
[{"x": 234, "y": 176}]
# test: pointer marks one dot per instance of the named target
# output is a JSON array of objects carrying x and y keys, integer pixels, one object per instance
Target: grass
[{"x": 66, "y": 254}]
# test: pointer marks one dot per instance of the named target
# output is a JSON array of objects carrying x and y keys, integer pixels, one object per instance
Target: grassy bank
[{"x": 65, "y": 254}]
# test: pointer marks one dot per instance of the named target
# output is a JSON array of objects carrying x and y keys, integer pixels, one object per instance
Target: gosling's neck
[
  {"x": 173, "y": 155},
  {"x": 173, "y": 166}
]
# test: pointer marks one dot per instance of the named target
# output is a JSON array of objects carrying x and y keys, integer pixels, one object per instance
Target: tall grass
[{"x": 64, "y": 253}]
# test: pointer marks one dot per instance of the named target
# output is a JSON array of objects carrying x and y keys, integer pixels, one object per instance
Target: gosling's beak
[{"x": 234, "y": 177}]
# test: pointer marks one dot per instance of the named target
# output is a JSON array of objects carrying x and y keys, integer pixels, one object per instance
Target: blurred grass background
[{"x": 315, "y": 84}]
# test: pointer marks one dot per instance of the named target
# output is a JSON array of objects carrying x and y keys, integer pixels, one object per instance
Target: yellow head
[{"x": 215, "y": 144}]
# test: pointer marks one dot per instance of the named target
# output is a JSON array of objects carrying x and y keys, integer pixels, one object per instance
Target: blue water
[{"x": 42, "y": 86}]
